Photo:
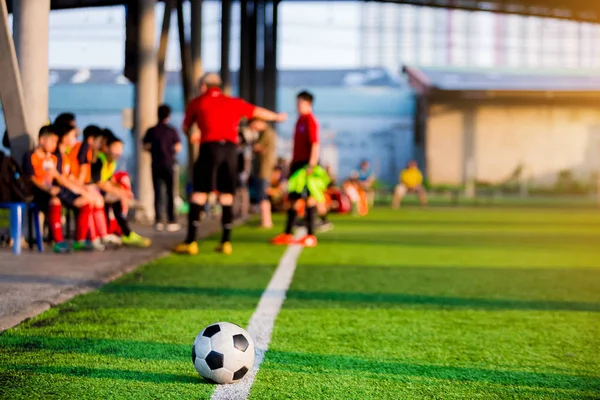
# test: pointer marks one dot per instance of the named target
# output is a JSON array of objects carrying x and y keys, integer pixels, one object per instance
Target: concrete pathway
[{"x": 33, "y": 282}]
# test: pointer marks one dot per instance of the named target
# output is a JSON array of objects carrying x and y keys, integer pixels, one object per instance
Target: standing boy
[
  {"x": 305, "y": 155},
  {"x": 163, "y": 143}
]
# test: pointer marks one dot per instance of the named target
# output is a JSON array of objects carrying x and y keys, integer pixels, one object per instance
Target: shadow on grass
[
  {"x": 366, "y": 286},
  {"x": 339, "y": 364},
  {"x": 106, "y": 347},
  {"x": 360, "y": 300},
  {"x": 103, "y": 373},
  {"x": 275, "y": 361}
]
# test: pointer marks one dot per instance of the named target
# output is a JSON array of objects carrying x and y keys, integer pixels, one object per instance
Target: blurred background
[{"x": 512, "y": 106}]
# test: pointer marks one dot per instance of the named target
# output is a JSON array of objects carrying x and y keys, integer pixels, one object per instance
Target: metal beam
[
  {"x": 162, "y": 49},
  {"x": 259, "y": 79},
  {"x": 226, "y": 45},
  {"x": 11, "y": 92},
  {"x": 186, "y": 57},
  {"x": 247, "y": 71},
  {"x": 186, "y": 80},
  {"x": 196, "y": 40},
  {"x": 270, "y": 55}
]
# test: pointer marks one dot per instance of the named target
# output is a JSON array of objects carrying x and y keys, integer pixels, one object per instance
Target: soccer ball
[{"x": 223, "y": 352}]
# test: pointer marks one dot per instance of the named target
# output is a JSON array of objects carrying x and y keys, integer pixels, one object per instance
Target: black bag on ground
[{"x": 14, "y": 185}]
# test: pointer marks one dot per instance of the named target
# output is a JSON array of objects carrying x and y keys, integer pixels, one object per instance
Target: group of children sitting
[{"x": 82, "y": 176}]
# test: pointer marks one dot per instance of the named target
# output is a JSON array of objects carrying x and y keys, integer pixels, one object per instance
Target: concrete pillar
[
  {"x": 30, "y": 31},
  {"x": 196, "y": 41},
  {"x": 146, "y": 101},
  {"x": 225, "y": 45},
  {"x": 11, "y": 91},
  {"x": 162, "y": 49}
]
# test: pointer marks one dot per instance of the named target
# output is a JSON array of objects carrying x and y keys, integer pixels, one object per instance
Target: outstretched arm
[{"x": 267, "y": 115}]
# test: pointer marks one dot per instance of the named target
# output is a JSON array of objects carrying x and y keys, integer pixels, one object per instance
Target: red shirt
[
  {"x": 307, "y": 133},
  {"x": 217, "y": 116}
]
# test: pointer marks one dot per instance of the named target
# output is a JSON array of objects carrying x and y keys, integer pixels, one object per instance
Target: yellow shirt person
[
  {"x": 411, "y": 177},
  {"x": 411, "y": 180}
]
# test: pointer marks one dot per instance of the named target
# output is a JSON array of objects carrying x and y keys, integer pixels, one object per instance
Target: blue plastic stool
[{"x": 16, "y": 211}]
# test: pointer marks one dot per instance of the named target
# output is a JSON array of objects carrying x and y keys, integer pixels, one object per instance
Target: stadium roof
[
  {"x": 582, "y": 10},
  {"x": 482, "y": 83}
]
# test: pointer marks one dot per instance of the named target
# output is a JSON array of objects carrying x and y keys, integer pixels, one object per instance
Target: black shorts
[
  {"x": 41, "y": 199},
  {"x": 67, "y": 198},
  {"x": 295, "y": 166},
  {"x": 216, "y": 168}
]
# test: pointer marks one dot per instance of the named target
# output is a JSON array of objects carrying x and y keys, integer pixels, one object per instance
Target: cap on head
[{"x": 211, "y": 80}]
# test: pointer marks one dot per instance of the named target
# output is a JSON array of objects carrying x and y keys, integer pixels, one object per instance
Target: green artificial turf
[
  {"x": 133, "y": 338},
  {"x": 455, "y": 303},
  {"x": 448, "y": 304}
]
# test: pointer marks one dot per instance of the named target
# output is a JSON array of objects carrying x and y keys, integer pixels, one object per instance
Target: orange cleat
[
  {"x": 283, "y": 239},
  {"x": 307, "y": 241}
]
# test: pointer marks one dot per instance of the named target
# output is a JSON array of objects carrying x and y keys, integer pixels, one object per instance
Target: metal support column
[
  {"x": 11, "y": 91},
  {"x": 30, "y": 30},
  {"x": 247, "y": 50},
  {"x": 259, "y": 78},
  {"x": 196, "y": 41},
  {"x": 225, "y": 45},
  {"x": 162, "y": 49},
  {"x": 186, "y": 80},
  {"x": 420, "y": 130},
  {"x": 186, "y": 57},
  {"x": 270, "y": 55},
  {"x": 146, "y": 101}
]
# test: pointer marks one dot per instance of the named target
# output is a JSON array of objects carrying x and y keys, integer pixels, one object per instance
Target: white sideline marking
[{"x": 261, "y": 324}]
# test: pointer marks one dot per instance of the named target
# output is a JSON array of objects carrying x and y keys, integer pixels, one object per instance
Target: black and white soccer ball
[{"x": 223, "y": 352}]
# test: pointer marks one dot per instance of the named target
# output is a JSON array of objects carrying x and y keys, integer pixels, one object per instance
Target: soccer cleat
[
  {"x": 283, "y": 239},
  {"x": 83, "y": 246},
  {"x": 97, "y": 245},
  {"x": 135, "y": 240},
  {"x": 173, "y": 227},
  {"x": 61, "y": 248},
  {"x": 159, "y": 227},
  {"x": 190, "y": 249},
  {"x": 224, "y": 248},
  {"x": 307, "y": 241},
  {"x": 324, "y": 226},
  {"x": 112, "y": 240}
]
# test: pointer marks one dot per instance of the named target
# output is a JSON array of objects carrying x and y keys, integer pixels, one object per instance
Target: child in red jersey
[{"x": 305, "y": 155}]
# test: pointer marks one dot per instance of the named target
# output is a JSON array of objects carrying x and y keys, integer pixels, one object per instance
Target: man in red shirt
[
  {"x": 305, "y": 155},
  {"x": 217, "y": 117}
]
